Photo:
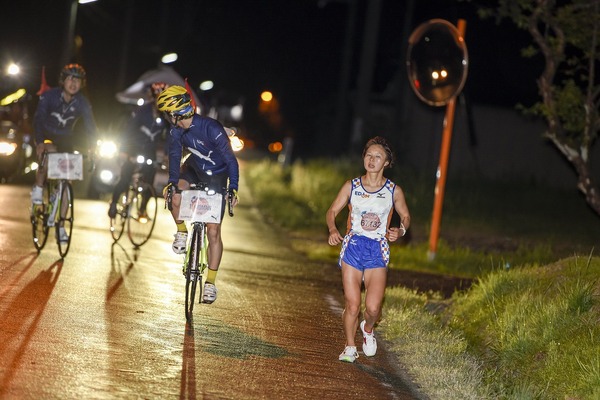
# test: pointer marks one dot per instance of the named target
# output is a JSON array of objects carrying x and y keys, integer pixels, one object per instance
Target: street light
[
  {"x": 68, "y": 51},
  {"x": 266, "y": 96},
  {"x": 169, "y": 58},
  {"x": 13, "y": 69}
]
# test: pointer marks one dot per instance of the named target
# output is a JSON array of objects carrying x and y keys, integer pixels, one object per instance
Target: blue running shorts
[{"x": 362, "y": 253}]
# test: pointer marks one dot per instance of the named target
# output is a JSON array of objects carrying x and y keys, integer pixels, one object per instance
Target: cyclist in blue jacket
[
  {"x": 57, "y": 112},
  {"x": 142, "y": 135},
  {"x": 211, "y": 160}
]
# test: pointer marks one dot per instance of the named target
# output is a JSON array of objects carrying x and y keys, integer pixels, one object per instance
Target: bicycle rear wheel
[
  {"x": 66, "y": 201},
  {"x": 143, "y": 209},
  {"x": 39, "y": 219},
  {"x": 192, "y": 274},
  {"x": 117, "y": 224}
]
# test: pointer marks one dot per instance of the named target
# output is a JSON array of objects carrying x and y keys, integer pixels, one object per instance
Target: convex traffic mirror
[{"x": 437, "y": 62}]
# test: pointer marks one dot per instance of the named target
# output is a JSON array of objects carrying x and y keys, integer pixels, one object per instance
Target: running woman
[{"x": 365, "y": 253}]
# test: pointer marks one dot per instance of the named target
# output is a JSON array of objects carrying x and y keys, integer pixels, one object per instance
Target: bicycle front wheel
[
  {"x": 39, "y": 219},
  {"x": 66, "y": 221},
  {"x": 192, "y": 274},
  {"x": 117, "y": 224},
  {"x": 143, "y": 210}
]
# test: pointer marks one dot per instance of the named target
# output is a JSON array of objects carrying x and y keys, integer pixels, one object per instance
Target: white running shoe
[
  {"x": 349, "y": 354},
  {"x": 369, "y": 346},
  {"x": 37, "y": 193},
  {"x": 62, "y": 235},
  {"x": 180, "y": 242},
  {"x": 210, "y": 293}
]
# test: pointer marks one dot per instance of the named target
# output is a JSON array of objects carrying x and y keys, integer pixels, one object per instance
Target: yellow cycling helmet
[{"x": 176, "y": 101}]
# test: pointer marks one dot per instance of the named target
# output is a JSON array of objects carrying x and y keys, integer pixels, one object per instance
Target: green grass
[
  {"x": 536, "y": 328},
  {"x": 528, "y": 326}
]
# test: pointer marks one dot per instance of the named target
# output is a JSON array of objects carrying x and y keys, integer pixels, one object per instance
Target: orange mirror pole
[{"x": 442, "y": 171}]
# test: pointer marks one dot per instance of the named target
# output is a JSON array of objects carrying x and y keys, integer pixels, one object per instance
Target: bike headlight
[
  {"x": 106, "y": 176},
  {"x": 6, "y": 149},
  {"x": 107, "y": 149},
  {"x": 237, "y": 144}
]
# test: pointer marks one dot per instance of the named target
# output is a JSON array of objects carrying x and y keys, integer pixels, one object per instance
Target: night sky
[{"x": 291, "y": 47}]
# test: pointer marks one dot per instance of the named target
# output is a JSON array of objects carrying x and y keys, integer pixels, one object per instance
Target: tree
[{"x": 566, "y": 34}]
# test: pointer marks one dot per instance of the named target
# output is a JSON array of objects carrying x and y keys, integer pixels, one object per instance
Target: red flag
[
  {"x": 189, "y": 90},
  {"x": 44, "y": 86}
]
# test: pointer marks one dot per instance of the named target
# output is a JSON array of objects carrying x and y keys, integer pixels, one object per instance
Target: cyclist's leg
[
  {"x": 127, "y": 169},
  {"x": 148, "y": 173},
  {"x": 176, "y": 200},
  {"x": 66, "y": 201},
  {"x": 215, "y": 246},
  {"x": 181, "y": 235},
  {"x": 215, "y": 242},
  {"x": 41, "y": 172},
  {"x": 65, "y": 145},
  {"x": 215, "y": 252}
]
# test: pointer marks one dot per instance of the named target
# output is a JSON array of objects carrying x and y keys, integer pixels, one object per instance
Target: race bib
[
  {"x": 65, "y": 166},
  {"x": 198, "y": 206}
]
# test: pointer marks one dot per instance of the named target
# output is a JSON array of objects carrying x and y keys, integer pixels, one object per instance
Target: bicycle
[
  {"x": 204, "y": 207},
  {"x": 57, "y": 209},
  {"x": 137, "y": 207}
]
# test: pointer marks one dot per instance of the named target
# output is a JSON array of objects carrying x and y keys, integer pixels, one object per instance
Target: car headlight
[{"x": 6, "y": 149}]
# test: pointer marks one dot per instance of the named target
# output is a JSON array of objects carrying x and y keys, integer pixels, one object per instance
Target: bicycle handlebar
[
  {"x": 230, "y": 202},
  {"x": 169, "y": 199}
]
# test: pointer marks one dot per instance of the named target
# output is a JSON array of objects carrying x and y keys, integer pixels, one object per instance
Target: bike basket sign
[
  {"x": 198, "y": 206},
  {"x": 65, "y": 166}
]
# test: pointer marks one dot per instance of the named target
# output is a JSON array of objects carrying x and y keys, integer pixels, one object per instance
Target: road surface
[{"x": 107, "y": 322}]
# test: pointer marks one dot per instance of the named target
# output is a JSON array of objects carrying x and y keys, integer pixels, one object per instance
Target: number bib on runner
[
  {"x": 198, "y": 206},
  {"x": 65, "y": 166}
]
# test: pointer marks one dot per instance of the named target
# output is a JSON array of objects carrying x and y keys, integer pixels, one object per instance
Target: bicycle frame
[
  {"x": 56, "y": 211},
  {"x": 195, "y": 265},
  {"x": 138, "y": 212},
  {"x": 196, "y": 257}
]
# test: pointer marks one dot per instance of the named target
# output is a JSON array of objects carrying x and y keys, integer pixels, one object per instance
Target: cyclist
[
  {"x": 57, "y": 112},
  {"x": 211, "y": 160},
  {"x": 141, "y": 137},
  {"x": 365, "y": 253}
]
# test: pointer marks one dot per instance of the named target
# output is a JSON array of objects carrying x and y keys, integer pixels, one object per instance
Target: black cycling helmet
[{"x": 74, "y": 70}]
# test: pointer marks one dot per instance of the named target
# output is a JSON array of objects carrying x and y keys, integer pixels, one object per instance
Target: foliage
[
  {"x": 437, "y": 356},
  {"x": 535, "y": 329},
  {"x": 477, "y": 236},
  {"x": 567, "y": 35},
  {"x": 297, "y": 196}
]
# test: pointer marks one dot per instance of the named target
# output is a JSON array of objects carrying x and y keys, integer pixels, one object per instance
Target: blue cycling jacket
[
  {"x": 143, "y": 132},
  {"x": 209, "y": 146},
  {"x": 54, "y": 117}
]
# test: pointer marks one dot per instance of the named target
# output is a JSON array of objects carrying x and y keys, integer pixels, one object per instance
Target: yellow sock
[
  {"x": 181, "y": 227},
  {"x": 211, "y": 276}
]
